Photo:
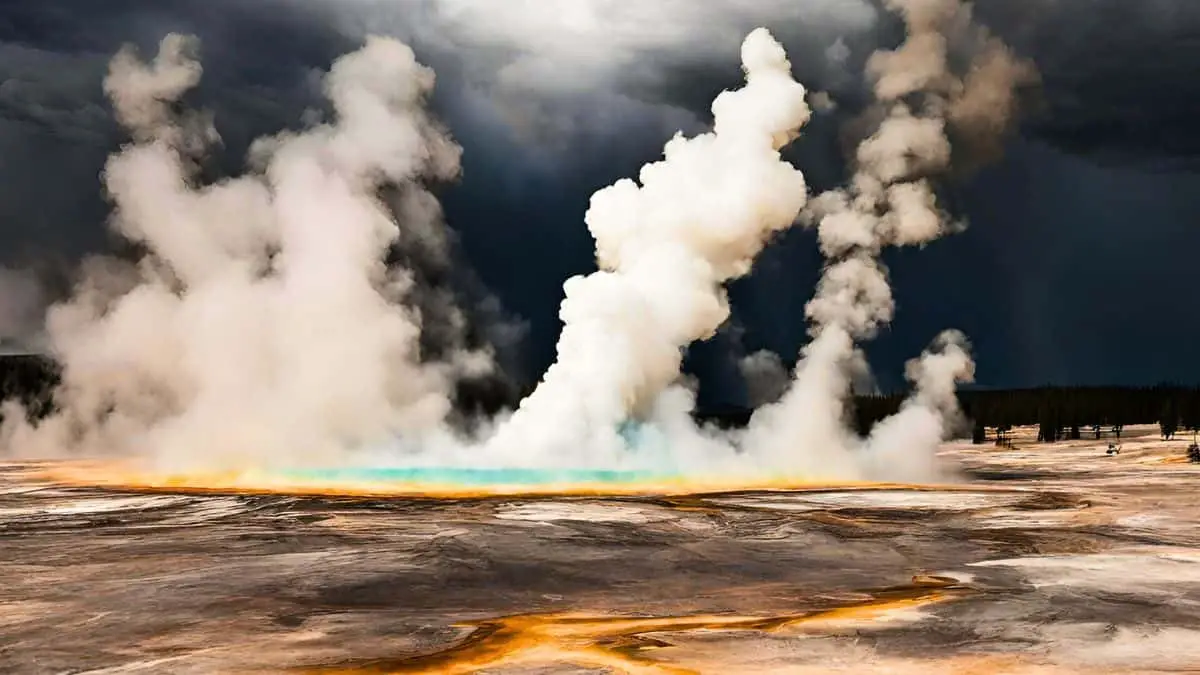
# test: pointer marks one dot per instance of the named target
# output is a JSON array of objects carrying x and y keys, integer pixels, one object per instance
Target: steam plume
[
  {"x": 262, "y": 324},
  {"x": 665, "y": 247},
  {"x": 765, "y": 375},
  {"x": 890, "y": 201},
  {"x": 22, "y": 302}
]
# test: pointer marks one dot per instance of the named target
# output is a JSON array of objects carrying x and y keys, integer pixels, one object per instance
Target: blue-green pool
[{"x": 476, "y": 477}]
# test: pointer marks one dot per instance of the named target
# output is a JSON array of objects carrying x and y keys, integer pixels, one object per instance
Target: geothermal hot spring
[
  {"x": 262, "y": 342},
  {"x": 256, "y": 463}
]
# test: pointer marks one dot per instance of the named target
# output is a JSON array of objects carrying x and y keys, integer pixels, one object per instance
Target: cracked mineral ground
[{"x": 1042, "y": 559}]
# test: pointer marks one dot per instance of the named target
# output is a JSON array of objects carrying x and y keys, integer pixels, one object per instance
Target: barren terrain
[{"x": 1045, "y": 559}]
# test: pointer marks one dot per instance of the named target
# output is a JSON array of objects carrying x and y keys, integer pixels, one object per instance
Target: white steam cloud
[
  {"x": 890, "y": 202},
  {"x": 263, "y": 326},
  {"x": 765, "y": 376},
  {"x": 665, "y": 247}
]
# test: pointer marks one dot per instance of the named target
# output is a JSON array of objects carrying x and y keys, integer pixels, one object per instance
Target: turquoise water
[
  {"x": 474, "y": 477},
  {"x": 639, "y": 438}
]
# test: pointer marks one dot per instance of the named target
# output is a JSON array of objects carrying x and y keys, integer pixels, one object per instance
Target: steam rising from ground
[
  {"x": 22, "y": 302},
  {"x": 263, "y": 326},
  {"x": 698, "y": 218},
  {"x": 890, "y": 201}
]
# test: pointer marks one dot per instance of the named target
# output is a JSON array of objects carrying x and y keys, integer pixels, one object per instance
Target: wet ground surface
[{"x": 1047, "y": 559}]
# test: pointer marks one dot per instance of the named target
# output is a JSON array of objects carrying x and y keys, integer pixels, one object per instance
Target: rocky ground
[{"x": 1046, "y": 559}]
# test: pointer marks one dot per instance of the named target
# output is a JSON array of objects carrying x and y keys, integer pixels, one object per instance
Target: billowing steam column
[
  {"x": 665, "y": 247},
  {"x": 890, "y": 202},
  {"x": 262, "y": 325},
  {"x": 264, "y": 329}
]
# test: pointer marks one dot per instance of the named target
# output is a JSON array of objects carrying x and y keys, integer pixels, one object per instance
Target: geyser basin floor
[
  {"x": 623, "y": 643},
  {"x": 1063, "y": 560}
]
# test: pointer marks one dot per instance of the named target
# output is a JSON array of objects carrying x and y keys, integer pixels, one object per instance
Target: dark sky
[{"x": 1078, "y": 265}]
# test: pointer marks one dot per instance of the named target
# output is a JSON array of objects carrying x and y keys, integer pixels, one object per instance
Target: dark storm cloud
[
  {"x": 56, "y": 128},
  {"x": 1119, "y": 76},
  {"x": 547, "y": 116}
]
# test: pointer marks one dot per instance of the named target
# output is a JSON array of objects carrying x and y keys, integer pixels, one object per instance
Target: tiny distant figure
[
  {"x": 1113, "y": 449},
  {"x": 1193, "y": 453}
]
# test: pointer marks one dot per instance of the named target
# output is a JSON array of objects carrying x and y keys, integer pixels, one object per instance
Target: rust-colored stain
[{"x": 623, "y": 644}]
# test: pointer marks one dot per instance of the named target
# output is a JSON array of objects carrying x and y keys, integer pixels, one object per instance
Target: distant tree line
[{"x": 1058, "y": 412}]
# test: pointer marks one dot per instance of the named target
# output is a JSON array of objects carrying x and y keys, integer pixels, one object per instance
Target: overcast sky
[{"x": 1078, "y": 265}]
